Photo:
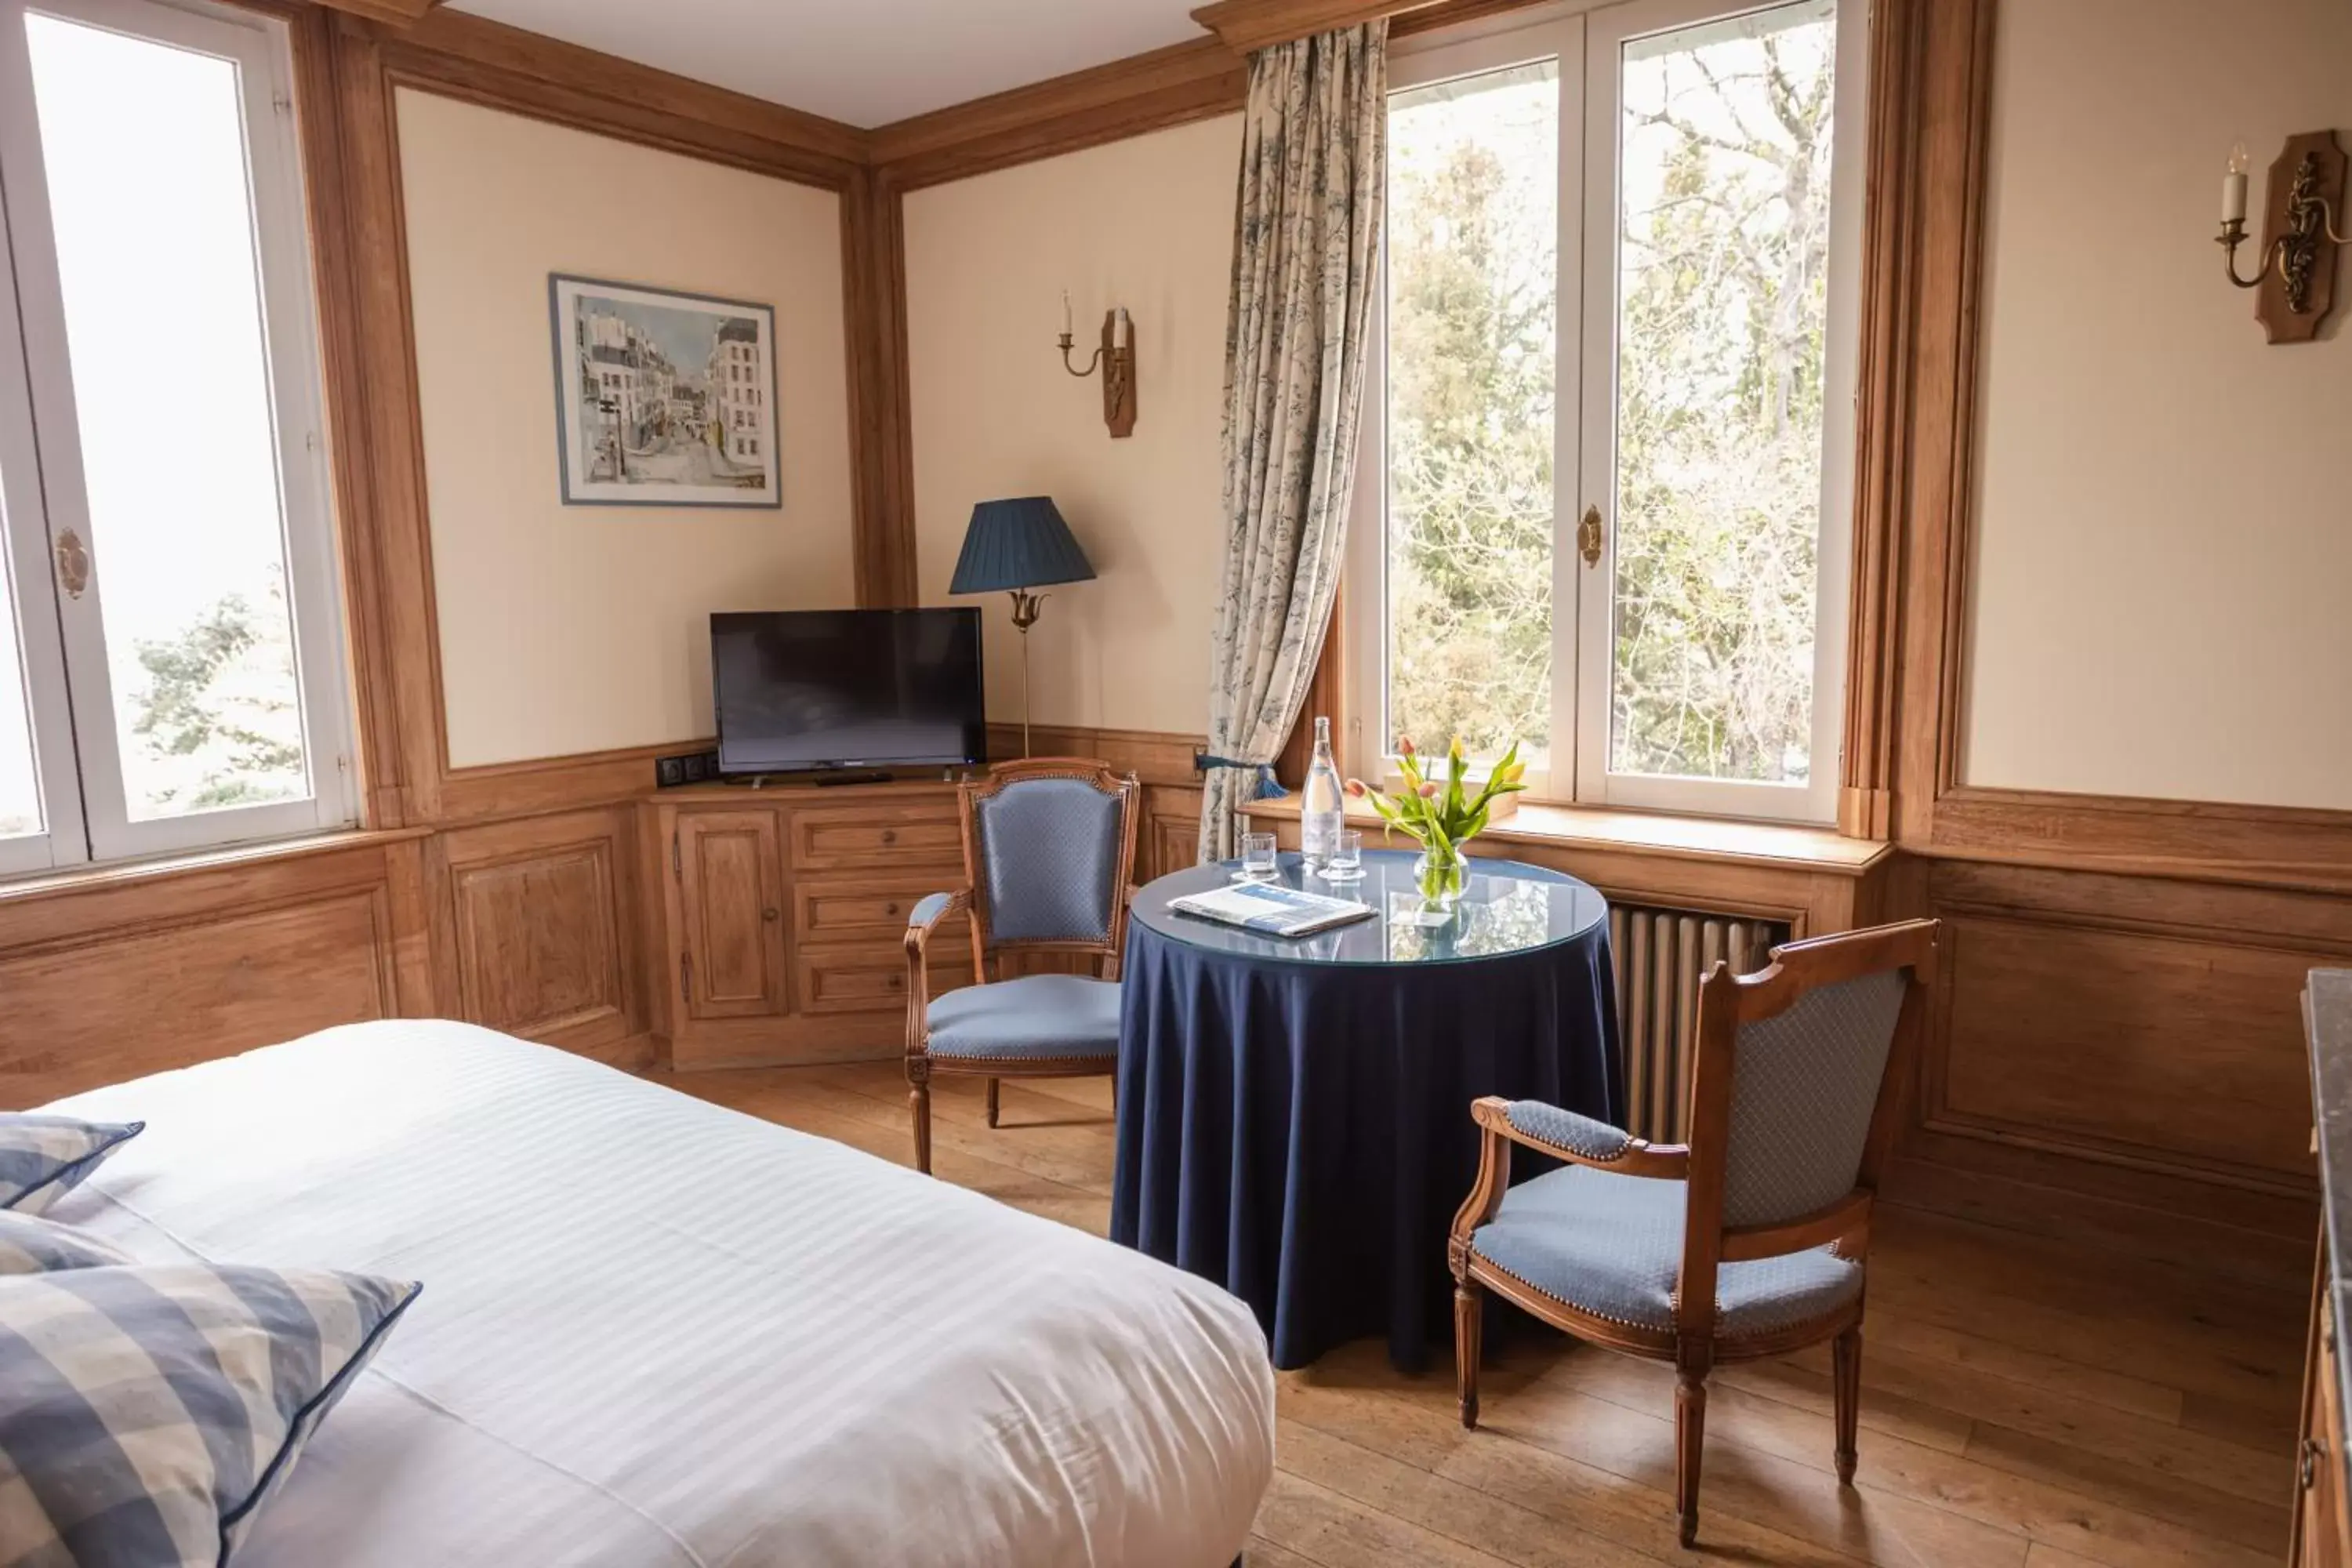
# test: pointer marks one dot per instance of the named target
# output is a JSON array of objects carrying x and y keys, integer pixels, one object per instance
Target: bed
[{"x": 654, "y": 1331}]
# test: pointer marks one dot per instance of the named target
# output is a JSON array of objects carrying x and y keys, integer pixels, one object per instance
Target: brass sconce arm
[
  {"x": 2318, "y": 222},
  {"x": 1070, "y": 343}
]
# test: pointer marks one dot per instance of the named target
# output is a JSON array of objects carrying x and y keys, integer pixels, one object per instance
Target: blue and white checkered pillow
[
  {"x": 42, "y": 1157},
  {"x": 31, "y": 1244},
  {"x": 151, "y": 1409}
]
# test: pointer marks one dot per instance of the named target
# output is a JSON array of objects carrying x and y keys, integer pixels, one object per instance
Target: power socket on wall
[{"x": 692, "y": 768}]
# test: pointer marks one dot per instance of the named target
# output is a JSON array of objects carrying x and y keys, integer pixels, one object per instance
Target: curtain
[{"x": 1306, "y": 227}]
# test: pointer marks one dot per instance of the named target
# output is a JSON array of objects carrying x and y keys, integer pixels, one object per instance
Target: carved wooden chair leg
[
  {"x": 1469, "y": 1317},
  {"x": 992, "y": 1102},
  {"x": 1690, "y": 1437},
  {"x": 1846, "y": 1359},
  {"x": 918, "y": 1101}
]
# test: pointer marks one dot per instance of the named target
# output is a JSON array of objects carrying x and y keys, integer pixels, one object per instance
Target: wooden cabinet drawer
[
  {"x": 873, "y": 910},
  {"x": 866, "y": 980},
  {"x": 899, "y": 837}
]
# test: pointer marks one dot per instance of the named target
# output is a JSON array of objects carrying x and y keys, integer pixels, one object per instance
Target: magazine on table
[{"x": 1271, "y": 909}]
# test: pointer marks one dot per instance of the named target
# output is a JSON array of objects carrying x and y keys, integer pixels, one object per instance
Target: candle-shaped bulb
[
  {"x": 2234, "y": 188},
  {"x": 1066, "y": 314},
  {"x": 1124, "y": 328}
]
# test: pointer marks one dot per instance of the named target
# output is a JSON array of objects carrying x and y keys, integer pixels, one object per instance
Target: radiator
[{"x": 1660, "y": 956}]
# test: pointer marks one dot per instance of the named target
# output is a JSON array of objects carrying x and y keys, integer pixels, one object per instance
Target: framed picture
[{"x": 663, "y": 398}]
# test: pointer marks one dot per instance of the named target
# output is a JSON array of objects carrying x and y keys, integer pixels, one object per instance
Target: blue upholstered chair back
[
  {"x": 1804, "y": 1084},
  {"x": 1049, "y": 866}
]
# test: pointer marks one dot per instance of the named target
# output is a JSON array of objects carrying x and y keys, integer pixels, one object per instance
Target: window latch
[
  {"x": 73, "y": 564},
  {"x": 1588, "y": 536}
]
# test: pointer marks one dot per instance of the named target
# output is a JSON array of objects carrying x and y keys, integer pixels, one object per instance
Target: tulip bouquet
[{"x": 1442, "y": 817}]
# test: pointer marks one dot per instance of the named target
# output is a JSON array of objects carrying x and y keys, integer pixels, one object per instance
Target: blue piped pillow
[
  {"x": 44, "y": 1157},
  {"x": 151, "y": 1409},
  {"x": 31, "y": 1244}
]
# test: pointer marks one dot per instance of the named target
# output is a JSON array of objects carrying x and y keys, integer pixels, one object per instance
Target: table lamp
[{"x": 1015, "y": 546}]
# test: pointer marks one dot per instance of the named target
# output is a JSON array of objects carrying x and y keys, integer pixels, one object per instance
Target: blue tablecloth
[{"x": 1293, "y": 1116}]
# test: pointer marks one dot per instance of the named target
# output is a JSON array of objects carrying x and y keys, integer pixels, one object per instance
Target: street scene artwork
[{"x": 663, "y": 399}]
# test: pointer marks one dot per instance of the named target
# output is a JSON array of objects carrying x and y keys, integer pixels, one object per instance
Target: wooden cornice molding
[
  {"x": 398, "y": 13},
  {"x": 1245, "y": 26},
  {"x": 768, "y": 137},
  {"x": 1153, "y": 92}
]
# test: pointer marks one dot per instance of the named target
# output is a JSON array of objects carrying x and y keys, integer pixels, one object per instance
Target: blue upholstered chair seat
[
  {"x": 1034, "y": 1015},
  {"x": 1612, "y": 1246}
]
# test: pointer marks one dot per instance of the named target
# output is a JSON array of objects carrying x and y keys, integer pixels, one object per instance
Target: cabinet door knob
[
  {"x": 767, "y": 914},
  {"x": 896, "y": 981},
  {"x": 889, "y": 909},
  {"x": 890, "y": 836},
  {"x": 2305, "y": 1472}
]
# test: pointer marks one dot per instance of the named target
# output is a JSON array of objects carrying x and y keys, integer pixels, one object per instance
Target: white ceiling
[{"x": 865, "y": 61}]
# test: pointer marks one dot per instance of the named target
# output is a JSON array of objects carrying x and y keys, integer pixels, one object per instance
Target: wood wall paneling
[
  {"x": 2125, "y": 1044},
  {"x": 111, "y": 974},
  {"x": 544, "y": 916}
]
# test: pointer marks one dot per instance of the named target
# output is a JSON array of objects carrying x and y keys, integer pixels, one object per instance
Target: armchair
[
  {"x": 1749, "y": 1242},
  {"x": 1046, "y": 848}
]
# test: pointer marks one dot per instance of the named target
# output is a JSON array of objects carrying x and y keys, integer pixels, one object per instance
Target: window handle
[
  {"x": 1588, "y": 536},
  {"x": 73, "y": 564}
]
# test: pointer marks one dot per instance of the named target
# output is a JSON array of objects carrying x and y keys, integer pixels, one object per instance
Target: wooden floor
[{"x": 2020, "y": 1405}]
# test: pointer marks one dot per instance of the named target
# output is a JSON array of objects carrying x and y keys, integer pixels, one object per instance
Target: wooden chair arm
[
  {"x": 922, "y": 921},
  {"x": 1634, "y": 1157}
]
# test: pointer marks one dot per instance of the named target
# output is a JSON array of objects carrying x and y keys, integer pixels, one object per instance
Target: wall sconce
[
  {"x": 2296, "y": 273},
  {"x": 1117, "y": 358}
]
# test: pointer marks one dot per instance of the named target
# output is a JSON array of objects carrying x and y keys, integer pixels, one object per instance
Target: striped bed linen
[{"x": 654, "y": 1331}]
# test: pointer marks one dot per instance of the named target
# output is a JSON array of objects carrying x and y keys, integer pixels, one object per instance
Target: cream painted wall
[
  {"x": 567, "y": 630},
  {"x": 2164, "y": 504},
  {"x": 1145, "y": 223}
]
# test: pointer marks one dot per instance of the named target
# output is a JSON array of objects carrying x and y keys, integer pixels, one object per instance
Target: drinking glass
[
  {"x": 1346, "y": 861},
  {"x": 1257, "y": 856}
]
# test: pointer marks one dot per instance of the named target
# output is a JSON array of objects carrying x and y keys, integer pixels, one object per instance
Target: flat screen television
[{"x": 799, "y": 690}]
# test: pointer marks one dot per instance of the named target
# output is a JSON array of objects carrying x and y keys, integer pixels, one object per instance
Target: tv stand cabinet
[{"x": 781, "y": 917}]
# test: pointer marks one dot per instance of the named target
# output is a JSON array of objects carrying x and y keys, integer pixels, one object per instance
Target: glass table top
[{"x": 1505, "y": 906}]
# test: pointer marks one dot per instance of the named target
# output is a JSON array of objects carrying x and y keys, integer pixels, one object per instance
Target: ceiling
[{"x": 867, "y": 62}]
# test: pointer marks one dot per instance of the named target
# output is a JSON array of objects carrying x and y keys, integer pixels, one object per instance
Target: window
[
  {"x": 170, "y": 665},
  {"x": 1602, "y": 502}
]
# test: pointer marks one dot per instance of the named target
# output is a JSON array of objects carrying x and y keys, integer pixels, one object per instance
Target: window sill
[
  {"x": 1715, "y": 839},
  {"x": 123, "y": 873}
]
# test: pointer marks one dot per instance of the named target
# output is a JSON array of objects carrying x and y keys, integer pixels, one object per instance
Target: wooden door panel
[{"x": 731, "y": 885}]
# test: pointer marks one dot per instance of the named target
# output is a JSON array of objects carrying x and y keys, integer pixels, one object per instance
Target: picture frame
[{"x": 664, "y": 398}]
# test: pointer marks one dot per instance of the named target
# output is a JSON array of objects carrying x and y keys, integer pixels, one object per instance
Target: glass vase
[{"x": 1439, "y": 873}]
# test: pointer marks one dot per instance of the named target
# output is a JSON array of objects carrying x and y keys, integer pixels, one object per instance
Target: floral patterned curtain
[{"x": 1307, "y": 229}]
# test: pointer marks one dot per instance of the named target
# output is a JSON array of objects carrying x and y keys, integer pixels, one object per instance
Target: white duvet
[{"x": 655, "y": 1332}]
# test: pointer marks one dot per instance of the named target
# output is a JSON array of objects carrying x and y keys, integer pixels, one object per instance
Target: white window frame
[
  {"x": 259, "y": 47},
  {"x": 26, "y": 574},
  {"x": 1587, "y": 40}
]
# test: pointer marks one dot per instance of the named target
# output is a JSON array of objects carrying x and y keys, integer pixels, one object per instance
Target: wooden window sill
[
  {"x": 1719, "y": 840},
  {"x": 118, "y": 873}
]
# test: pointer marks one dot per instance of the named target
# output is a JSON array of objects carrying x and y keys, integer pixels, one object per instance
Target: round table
[{"x": 1293, "y": 1113}]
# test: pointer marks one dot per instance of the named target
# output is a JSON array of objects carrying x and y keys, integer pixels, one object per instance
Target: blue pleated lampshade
[{"x": 1018, "y": 543}]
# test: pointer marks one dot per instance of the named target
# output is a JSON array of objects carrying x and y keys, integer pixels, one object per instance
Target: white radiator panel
[{"x": 1660, "y": 956}]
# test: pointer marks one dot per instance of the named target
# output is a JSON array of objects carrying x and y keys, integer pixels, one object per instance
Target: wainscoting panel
[
  {"x": 2181, "y": 1051},
  {"x": 97, "y": 1012},
  {"x": 541, "y": 911},
  {"x": 2118, "y": 1061}
]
